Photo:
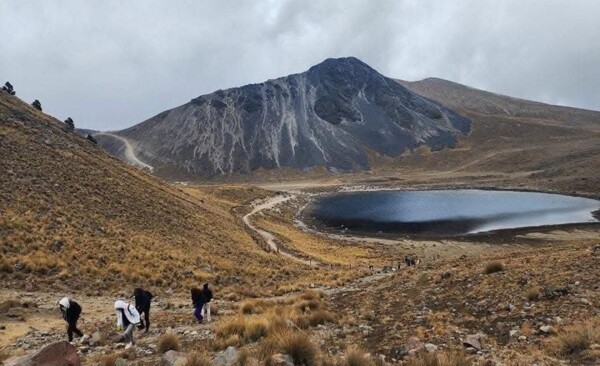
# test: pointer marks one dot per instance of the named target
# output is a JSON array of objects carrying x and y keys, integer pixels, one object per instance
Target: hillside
[
  {"x": 330, "y": 116},
  {"x": 74, "y": 218}
]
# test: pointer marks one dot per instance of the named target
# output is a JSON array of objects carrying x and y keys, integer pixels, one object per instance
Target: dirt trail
[
  {"x": 270, "y": 238},
  {"x": 129, "y": 151}
]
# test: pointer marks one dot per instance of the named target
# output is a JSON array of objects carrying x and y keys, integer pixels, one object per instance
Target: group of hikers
[{"x": 129, "y": 316}]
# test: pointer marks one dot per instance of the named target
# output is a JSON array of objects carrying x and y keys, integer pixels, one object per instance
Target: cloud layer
[{"x": 111, "y": 64}]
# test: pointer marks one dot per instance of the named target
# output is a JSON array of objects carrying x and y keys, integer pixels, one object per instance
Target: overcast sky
[{"x": 112, "y": 64}]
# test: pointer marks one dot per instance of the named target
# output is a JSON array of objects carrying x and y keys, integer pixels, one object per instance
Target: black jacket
[
  {"x": 142, "y": 299},
  {"x": 72, "y": 313},
  {"x": 207, "y": 293},
  {"x": 197, "y": 296}
]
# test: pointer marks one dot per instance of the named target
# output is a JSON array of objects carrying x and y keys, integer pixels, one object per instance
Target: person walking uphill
[
  {"x": 198, "y": 301},
  {"x": 127, "y": 318},
  {"x": 70, "y": 312},
  {"x": 142, "y": 304},
  {"x": 207, "y": 293}
]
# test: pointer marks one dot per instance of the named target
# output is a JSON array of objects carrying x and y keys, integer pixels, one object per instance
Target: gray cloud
[{"x": 111, "y": 64}]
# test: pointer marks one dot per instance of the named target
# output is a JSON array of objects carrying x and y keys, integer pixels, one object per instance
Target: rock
[
  {"x": 547, "y": 330},
  {"x": 473, "y": 340},
  {"x": 585, "y": 301},
  {"x": 430, "y": 347},
  {"x": 280, "y": 359},
  {"x": 56, "y": 354},
  {"x": 415, "y": 344},
  {"x": 172, "y": 358},
  {"x": 471, "y": 350},
  {"x": 445, "y": 275},
  {"x": 2, "y": 327},
  {"x": 510, "y": 307},
  {"x": 522, "y": 338},
  {"x": 226, "y": 358},
  {"x": 513, "y": 333},
  {"x": 95, "y": 339},
  {"x": 555, "y": 292},
  {"x": 121, "y": 362}
]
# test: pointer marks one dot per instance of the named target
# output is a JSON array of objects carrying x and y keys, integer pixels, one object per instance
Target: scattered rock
[
  {"x": 555, "y": 292},
  {"x": 226, "y": 358},
  {"x": 56, "y": 354},
  {"x": 430, "y": 347},
  {"x": 280, "y": 359},
  {"x": 510, "y": 307},
  {"x": 121, "y": 362},
  {"x": 473, "y": 341},
  {"x": 172, "y": 358},
  {"x": 414, "y": 344},
  {"x": 95, "y": 339},
  {"x": 547, "y": 330},
  {"x": 522, "y": 338},
  {"x": 585, "y": 301}
]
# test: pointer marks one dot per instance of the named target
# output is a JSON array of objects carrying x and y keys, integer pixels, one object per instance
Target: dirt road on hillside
[{"x": 129, "y": 151}]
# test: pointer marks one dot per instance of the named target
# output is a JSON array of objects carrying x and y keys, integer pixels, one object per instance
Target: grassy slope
[{"x": 120, "y": 227}]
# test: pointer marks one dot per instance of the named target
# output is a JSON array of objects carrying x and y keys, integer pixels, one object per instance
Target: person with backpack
[
  {"x": 70, "y": 312},
  {"x": 198, "y": 301},
  {"x": 207, "y": 294},
  {"x": 127, "y": 318},
  {"x": 142, "y": 304}
]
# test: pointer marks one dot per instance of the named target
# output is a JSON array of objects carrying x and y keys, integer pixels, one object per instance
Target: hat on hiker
[{"x": 64, "y": 302}]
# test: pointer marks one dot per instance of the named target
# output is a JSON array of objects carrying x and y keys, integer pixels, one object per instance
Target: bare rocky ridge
[{"x": 330, "y": 116}]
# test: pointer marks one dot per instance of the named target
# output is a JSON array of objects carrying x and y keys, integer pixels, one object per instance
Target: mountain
[
  {"x": 73, "y": 217},
  {"x": 467, "y": 99},
  {"x": 333, "y": 115}
]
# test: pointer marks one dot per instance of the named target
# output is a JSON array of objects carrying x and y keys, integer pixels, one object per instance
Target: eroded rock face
[
  {"x": 329, "y": 116},
  {"x": 56, "y": 354}
]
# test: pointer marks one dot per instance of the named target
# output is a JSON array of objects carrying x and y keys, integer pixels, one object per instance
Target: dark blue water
[{"x": 449, "y": 212}]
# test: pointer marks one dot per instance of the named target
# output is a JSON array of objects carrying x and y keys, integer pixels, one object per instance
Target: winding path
[
  {"x": 270, "y": 238},
  {"x": 129, "y": 151}
]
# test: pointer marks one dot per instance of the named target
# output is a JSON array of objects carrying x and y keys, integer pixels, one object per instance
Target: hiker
[
  {"x": 207, "y": 293},
  {"x": 198, "y": 301},
  {"x": 127, "y": 318},
  {"x": 142, "y": 304},
  {"x": 70, "y": 312}
]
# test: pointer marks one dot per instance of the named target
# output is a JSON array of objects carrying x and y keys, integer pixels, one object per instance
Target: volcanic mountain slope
[
  {"x": 533, "y": 144},
  {"x": 73, "y": 217},
  {"x": 330, "y": 116}
]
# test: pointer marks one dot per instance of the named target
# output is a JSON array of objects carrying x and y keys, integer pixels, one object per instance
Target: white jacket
[{"x": 130, "y": 312}]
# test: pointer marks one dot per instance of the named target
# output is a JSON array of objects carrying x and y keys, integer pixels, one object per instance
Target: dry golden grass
[
  {"x": 442, "y": 358},
  {"x": 494, "y": 267},
  {"x": 576, "y": 340},
  {"x": 197, "y": 359},
  {"x": 294, "y": 343},
  {"x": 356, "y": 357},
  {"x": 169, "y": 342}
]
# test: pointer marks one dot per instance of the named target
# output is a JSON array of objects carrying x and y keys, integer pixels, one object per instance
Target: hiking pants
[
  {"x": 198, "y": 312},
  {"x": 206, "y": 310},
  {"x": 128, "y": 335},
  {"x": 72, "y": 328},
  {"x": 147, "y": 317}
]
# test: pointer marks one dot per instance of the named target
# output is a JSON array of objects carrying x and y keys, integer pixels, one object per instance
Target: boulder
[
  {"x": 226, "y": 358},
  {"x": 173, "y": 358},
  {"x": 280, "y": 359},
  {"x": 473, "y": 341},
  {"x": 95, "y": 339},
  {"x": 56, "y": 354},
  {"x": 430, "y": 347}
]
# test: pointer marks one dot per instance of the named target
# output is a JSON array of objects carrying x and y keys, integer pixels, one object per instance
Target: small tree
[
  {"x": 9, "y": 88},
  {"x": 37, "y": 105},
  {"x": 70, "y": 125}
]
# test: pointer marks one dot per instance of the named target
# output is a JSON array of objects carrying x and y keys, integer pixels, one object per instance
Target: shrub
[
  {"x": 197, "y": 359},
  {"x": 355, "y": 357},
  {"x": 494, "y": 267},
  {"x": 316, "y": 318},
  {"x": 254, "y": 306},
  {"x": 37, "y": 105},
  {"x": 69, "y": 124},
  {"x": 168, "y": 341},
  {"x": 300, "y": 348},
  {"x": 576, "y": 339},
  {"x": 534, "y": 294},
  {"x": 446, "y": 358},
  {"x": 312, "y": 295}
]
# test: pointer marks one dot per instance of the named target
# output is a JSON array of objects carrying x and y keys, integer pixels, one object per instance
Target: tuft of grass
[
  {"x": 444, "y": 358},
  {"x": 534, "y": 294},
  {"x": 254, "y": 306},
  {"x": 355, "y": 357},
  {"x": 109, "y": 360},
  {"x": 197, "y": 359},
  {"x": 316, "y": 318},
  {"x": 169, "y": 341},
  {"x": 243, "y": 357},
  {"x": 576, "y": 339},
  {"x": 299, "y": 346},
  {"x": 494, "y": 267}
]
